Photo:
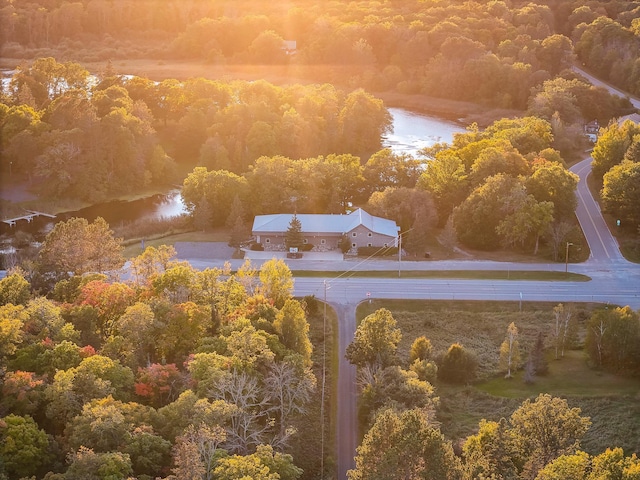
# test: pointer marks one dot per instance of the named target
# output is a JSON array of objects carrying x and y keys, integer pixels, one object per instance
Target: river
[{"x": 411, "y": 132}]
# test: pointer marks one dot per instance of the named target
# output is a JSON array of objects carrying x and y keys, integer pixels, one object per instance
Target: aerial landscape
[{"x": 340, "y": 240}]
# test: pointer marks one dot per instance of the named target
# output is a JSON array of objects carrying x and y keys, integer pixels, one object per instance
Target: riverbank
[{"x": 462, "y": 113}]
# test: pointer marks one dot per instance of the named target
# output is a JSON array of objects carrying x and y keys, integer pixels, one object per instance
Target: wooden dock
[{"x": 31, "y": 214}]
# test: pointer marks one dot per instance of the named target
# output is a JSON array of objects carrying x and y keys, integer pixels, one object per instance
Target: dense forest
[
  {"x": 492, "y": 52},
  {"x": 313, "y": 148},
  {"x": 172, "y": 372},
  {"x": 175, "y": 373}
]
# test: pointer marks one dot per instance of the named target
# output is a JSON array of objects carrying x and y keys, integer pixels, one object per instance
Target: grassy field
[{"x": 611, "y": 401}]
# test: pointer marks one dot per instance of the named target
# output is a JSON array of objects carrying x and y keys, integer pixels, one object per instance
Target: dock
[{"x": 30, "y": 215}]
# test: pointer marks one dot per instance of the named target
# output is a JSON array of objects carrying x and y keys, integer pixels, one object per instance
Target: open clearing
[{"x": 611, "y": 401}]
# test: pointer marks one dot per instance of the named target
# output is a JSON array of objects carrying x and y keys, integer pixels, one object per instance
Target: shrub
[
  {"x": 458, "y": 365},
  {"x": 256, "y": 247},
  {"x": 307, "y": 247},
  {"x": 377, "y": 251}
]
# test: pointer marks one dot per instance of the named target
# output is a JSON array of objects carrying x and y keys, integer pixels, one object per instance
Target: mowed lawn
[{"x": 612, "y": 401}]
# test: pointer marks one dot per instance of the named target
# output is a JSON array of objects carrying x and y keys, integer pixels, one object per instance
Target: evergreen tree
[
  {"x": 293, "y": 237},
  {"x": 203, "y": 215}
]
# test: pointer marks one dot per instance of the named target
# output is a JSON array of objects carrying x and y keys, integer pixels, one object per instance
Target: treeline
[
  {"x": 504, "y": 186},
  {"x": 606, "y": 38},
  {"x": 488, "y": 52},
  {"x": 616, "y": 168},
  {"x": 399, "y": 407},
  {"x": 91, "y": 141},
  {"x": 174, "y": 373}
]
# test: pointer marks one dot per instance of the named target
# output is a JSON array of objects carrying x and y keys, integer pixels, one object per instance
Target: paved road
[
  {"x": 604, "y": 247},
  {"x": 613, "y": 90}
]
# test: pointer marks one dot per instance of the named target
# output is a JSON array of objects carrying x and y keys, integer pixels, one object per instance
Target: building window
[
  {"x": 323, "y": 241},
  {"x": 370, "y": 234},
  {"x": 267, "y": 240},
  {"x": 305, "y": 241},
  {"x": 386, "y": 245},
  {"x": 354, "y": 234},
  {"x": 369, "y": 244},
  {"x": 353, "y": 245}
]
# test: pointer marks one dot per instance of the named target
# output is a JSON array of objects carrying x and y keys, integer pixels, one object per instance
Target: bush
[
  {"x": 311, "y": 304},
  {"x": 377, "y": 251},
  {"x": 307, "y": 247},
  {"x": 257, "y": 247},
  {"x": 458, "y": 365}
]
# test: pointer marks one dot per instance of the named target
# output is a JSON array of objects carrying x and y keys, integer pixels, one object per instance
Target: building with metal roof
[{"x": 324, "y": 231}]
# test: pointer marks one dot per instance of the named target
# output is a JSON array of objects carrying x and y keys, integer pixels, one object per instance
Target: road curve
[{"x": 604, "y": 247}]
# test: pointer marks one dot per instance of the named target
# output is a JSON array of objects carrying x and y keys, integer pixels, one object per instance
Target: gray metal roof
[{"x": 325, "y": 223}]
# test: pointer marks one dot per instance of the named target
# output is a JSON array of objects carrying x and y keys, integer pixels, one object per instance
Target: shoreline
[{"x": 461, "y": 112}]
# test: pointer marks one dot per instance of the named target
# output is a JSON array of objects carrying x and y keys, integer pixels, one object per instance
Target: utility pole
[
  {"x": 566, "y": 258},
  {"x": 324, "y": 355},
  {"x": 399, "y": 252}
]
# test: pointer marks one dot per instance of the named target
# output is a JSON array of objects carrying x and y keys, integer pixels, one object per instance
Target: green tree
[
  {"x": 218, "y": 187},
  {"x": 396, "y": 388},
  {"x": 445, "y": 178},
  {"x": 528, "y": 218},
  {"x": 293, "y": 329},
  {"x": 476, "y": 219},
  {"x": 80, "y": 247},
  {"x": 203, "y": 215},
  {"x": 405, "y": 445},
  {"x": 376, "y": 341},
  {"x": 14, "y": 289},
  {"x": 612, "y": 339},
  {"x": 490, "y": 452},
  {"x": 544, "y": 430},
  {"x": 611, "y": 147},
  {"x": 388, "y": 169},
  {"x": 458, "y": 365},
  {"x": 551, "y": 182},
  {"x": 85, "y": 464},
  {"x": 23, "y": 446},
  {"x": 621, "y": 192},
  {"x": 510, "y": 350},
  {"x": 363, "y": 120},
  {"x": 293, "y": 237}
]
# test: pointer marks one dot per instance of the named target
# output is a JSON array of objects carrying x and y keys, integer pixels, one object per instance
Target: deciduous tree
[
  {"x": 545, "y": 429},
  {"x": 405, "y": 445},
  {"x": 23, "y": 446},
  {"x": 77, "y": 246},
  {"x": 510, "y": 350},
  {"x": 376, "y": 341},
  {"x": 276, "y": 281},
  {"x": 293, "y": 328}
]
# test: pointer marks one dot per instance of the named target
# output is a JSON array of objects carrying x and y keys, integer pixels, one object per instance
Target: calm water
[
  {"x": 115, "y": 213},
  {"x": 411, "y": 132}
]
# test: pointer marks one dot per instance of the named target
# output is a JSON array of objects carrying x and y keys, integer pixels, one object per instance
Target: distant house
[
  {"x": 324, "y": 232},
  {"x": 290, "y": 47},
  {"x": 591, "y": 130}
]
